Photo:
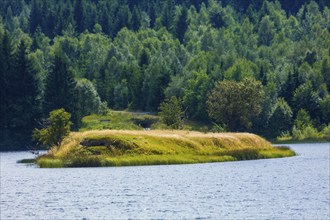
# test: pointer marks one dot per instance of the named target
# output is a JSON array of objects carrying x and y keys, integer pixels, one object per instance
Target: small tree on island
[
  {"x": 171, "y": 112},
  {"x": 57, "y": 128}
]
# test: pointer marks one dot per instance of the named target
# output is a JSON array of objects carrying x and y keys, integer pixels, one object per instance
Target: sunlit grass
[
  {"x": 50, "y": 163},
  {"x": 277, "y": 152},
  {"x": 163, "y": 160},
  {"x": 138, "y": 147}
]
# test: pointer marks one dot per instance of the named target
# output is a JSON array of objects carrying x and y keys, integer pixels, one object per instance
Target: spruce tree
[
  {"x": 79, "y": 15},
  {"x": 6, "y": 66},
  {"x": 182, "y": 24},
  {"x": 24, "y": 93},
  {"x": 60, "y": 87},
  {"x": 35, "y": 16}
]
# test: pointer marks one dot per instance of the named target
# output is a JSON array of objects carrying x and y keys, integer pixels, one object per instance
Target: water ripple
[{"x": 288, "y": 188}]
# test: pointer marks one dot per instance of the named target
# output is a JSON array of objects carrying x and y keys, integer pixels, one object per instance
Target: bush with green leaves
[{"x": 57, "y": 128}]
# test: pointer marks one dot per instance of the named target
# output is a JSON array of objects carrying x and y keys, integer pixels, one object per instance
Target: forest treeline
[{"x": 87, "y": 55}]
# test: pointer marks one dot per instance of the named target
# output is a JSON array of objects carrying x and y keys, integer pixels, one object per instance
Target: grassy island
[{"x": 133, "y": 148}]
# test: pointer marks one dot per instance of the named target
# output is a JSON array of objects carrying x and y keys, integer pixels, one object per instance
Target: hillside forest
[{"x": 241, "y": 65}]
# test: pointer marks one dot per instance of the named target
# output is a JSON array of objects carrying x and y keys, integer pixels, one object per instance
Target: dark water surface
[{"x": 289, "y": 188}]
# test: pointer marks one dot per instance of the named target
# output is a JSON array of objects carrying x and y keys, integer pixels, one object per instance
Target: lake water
[{"x": 288, "y": 188}]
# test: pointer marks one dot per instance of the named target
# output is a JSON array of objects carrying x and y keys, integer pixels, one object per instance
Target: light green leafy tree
[{"x": 57, "y": 128}]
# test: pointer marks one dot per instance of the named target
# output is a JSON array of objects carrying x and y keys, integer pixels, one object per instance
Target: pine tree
[
  {"x": 167, "y": 17},
  {"x": 6, "y": 66},
  {"x": 182, "y": 24},
  {"x": 24, "y": 93},
  {"x": 136, "y": 19},
  {"x": 60, "y": 86},
  {"x": 79, "y": 15},
  {"x": 35, "y": 16}
]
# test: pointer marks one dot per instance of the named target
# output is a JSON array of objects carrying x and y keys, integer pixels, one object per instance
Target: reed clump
[{"x": 132, "y": 148}]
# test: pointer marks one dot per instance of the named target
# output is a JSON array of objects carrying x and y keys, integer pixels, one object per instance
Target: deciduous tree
[
  {"x": 236, "y": 104},
  {"x": 57, "y": 128}
]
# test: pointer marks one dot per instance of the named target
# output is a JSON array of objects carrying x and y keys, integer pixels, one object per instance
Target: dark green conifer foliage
[
  {"x": 168, "y": 14},
  {"x": 216, "y": 18},
  {"x": 182, "y": 24},
  {"x": 79, "y": 15},
  {"x": 6, "y": 67},
  {"x": 136, "y": 19},
  {"x": 305, "y": 97},
  {"x": 60, "y": 87},
  {"x": 24, "y": 93},
  {"x": 326, "y": 71},
  {"x": 35, "y": 16},
  {"x": 161, "y": 43}
]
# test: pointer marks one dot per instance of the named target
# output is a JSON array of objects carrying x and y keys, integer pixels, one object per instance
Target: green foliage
[
  {"x": 281, "y": 119},
  {"x": 303, "y": 128},
  {"x": 305, "y": 97},
  {"x": 236, "y": 104},
  {"x": 326, "y": 132},
  {"x": 171, "y": 112},
  {"x": 60, "y": 85},
  {"x": 103, "y": 108},
  {"x": 306, "y": 133},
  {"x": 195, "y": 95},
  {"x": 241, "y": 69},
  {"x": 325, "y": 109},
  {"x": 88, "y": 101},
  {"x": 57, "y": 128},
  {"x": 24, "y": 91},
  {"x": 119, "y": 120},
  {"x": 303, "y": 120},
  {"x": 137, "y": 53},
  {"x": 60, "y": 88}
]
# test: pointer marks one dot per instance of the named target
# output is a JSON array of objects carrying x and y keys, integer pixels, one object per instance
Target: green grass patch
[
  {"x": 277, "y": 152},
  {"x": 50, "y": 163},
  {"x": 119, "y": 120},
  {"x": 164, "y": 160}
]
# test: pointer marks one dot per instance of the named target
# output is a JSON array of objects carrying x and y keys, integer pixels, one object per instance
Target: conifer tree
[
  {"x": 79, "y": 15},
  {"x": 35, "y": 16},
  {"x": 182, "y": 24},
  {"x": 24, "y": 93},
  {"x": 167, "y": 18},
  {"x": 6, "y": 66},
  {"x": 60, "y": 85}
]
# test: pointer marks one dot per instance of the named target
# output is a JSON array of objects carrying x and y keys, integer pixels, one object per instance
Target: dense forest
[{"x": 89, "y": 55}]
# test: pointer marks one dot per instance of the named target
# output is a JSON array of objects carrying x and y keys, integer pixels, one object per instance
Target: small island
[{"x": 101, "y": 148}]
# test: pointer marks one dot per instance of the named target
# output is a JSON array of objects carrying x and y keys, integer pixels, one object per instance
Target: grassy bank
[{"x": 131, "y": 148}]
